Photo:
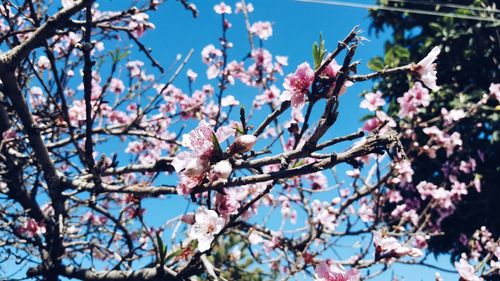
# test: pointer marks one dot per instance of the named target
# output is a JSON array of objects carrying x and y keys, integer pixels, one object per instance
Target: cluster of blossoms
[
  {"x": 387, "y": 247},
  {"x": 328, "y": 271},
  {"x": 407, "y": 196},
  {"x": 412, "y": 101},
  {"x": 484, "y": 250},
  {"x": 195, "y": 166},
  {"x": 426, "y": 69},
  {"x": 32, "y": 228},
  {"x": 204, "y": 145},
  {"x": 297, "y": 85}
]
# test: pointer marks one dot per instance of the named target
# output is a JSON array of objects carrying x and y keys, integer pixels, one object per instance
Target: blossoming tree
[
  {"x": 74, "y": 208},
  {"x": 462, "y": 180}
]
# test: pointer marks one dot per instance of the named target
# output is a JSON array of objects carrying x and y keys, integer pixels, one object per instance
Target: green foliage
[
  {"x": 318, "y": 52},
  {"x": 376, "y": 64},
  {"x": 216, "y": 144},
  {"x": 467, "y": 65},
  {"x": 162, "y": 248}
]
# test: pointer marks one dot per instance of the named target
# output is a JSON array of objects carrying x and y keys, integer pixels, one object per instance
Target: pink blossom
[
  {"x": 213, "y": 71},
  {"x": 459, "y": 188},
  {"x": 324, "y": 214},
  {"x": 134, "y": 68},
  {"x": 239, "y": 7},
  {"x": 318, "y": 180},
  {"x": 280, "y": 62},
  {"x": 209, "y": 52},
  {"x": 191, "y": 75},
  {"x": 36, "y": 97},
  {"x": 201, "y": 143},
  {"x": 201, "y": 139},
  {"x": 353, "y": 173},
  {"x": 91, "y": 218},
  {"x": 441, "y": 195},
  {"x": 186, "y": 184},
  {"x": 426, "y": 189},
  {"x": 452, "y": 115},
  {"x": 254, "y": 238},
  {"x": 394, "y": 196},
  {"x": 222, "y": 170},
  {"x": 371, "y": 124},
  {"x": 405, "y": 171},
  {"x": 466, "y": 271},
  {"x": 297, "y": 85},
  {"x": 207, "y": 224},
  {"x": 262, "y": 29},
  {"x": 188, "y": 218},
  {"x": 32, "y": 227},
  {"x": 287, "y": 211},
  {"x": 388, "y": 247},
  {"x": 222, "y": 8},
  {"x": 495, "y": 90},
  {"x": 43, "y": 63},
  {"x": 236, "y": 70},
  {"x": 326, "y": 271},
  {"x": 411, "y": 101},
  {"x": 372, "y": 101},
  {"x": 243, "y": 144},
  {"x": 190, "y": 164},
  {"x": 99, "y": 46},
  {"x": 426, "y": 68},
  {"x": 270, "y": 245},
  {"x": 116, "y": 86},
  {"x": 67, "y": 3},
  {"x": 366, "y": 213},
  {"x": 140, "y": 23},
  {"x": 263, "y": 64},
  {"x": 229, "y": 100},
  {"x": 269, "y": 96},
  {"x": 331, "y": 71},
  {"x": 227, "y": 204},
  {"x": 283, "y": 60}
]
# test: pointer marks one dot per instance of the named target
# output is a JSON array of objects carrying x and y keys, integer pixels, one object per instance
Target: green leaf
[
  {"x": 173, "y": 254},
  {"x": 216, "y": 143},
  {"x": 376, "y": 64},
  {"x": 239, "y": 130},
  {"x": 319, "y": 52},
  {"x": 315, "y": 54},
  {"x": 162, "y": 248}
]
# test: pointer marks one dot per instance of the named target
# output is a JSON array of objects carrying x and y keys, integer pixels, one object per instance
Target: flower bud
[
  {"x": 336, "y": 200},
  {"x": 188, "y": 218},
  {"x": 415, "y": 253},
  {"x": 243, "y": 144},
  {"x": 195, "y": 168},
  {"x": 222, "y": 169},
  {"x": 402, "y": 251}
]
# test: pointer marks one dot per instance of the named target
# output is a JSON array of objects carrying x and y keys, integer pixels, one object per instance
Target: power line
[
  {"x": 448, "y": 5},
  {"x": 403, "y": 10}
]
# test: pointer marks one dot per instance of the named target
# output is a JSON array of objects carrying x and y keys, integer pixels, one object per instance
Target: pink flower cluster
[
  {"x": 297, "y": 85},
  {"x": 32, "y": 228},
  {"x": 426, "y": 69},
  {"x": 204, "y": 144},
  {"x": 263, "y": 30},
  {"x": 372, "y": 101},
  {"x": 387, "y": 247},
  {"x": 330, "y": 271},
  {"x": 416, "y": 98}
]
